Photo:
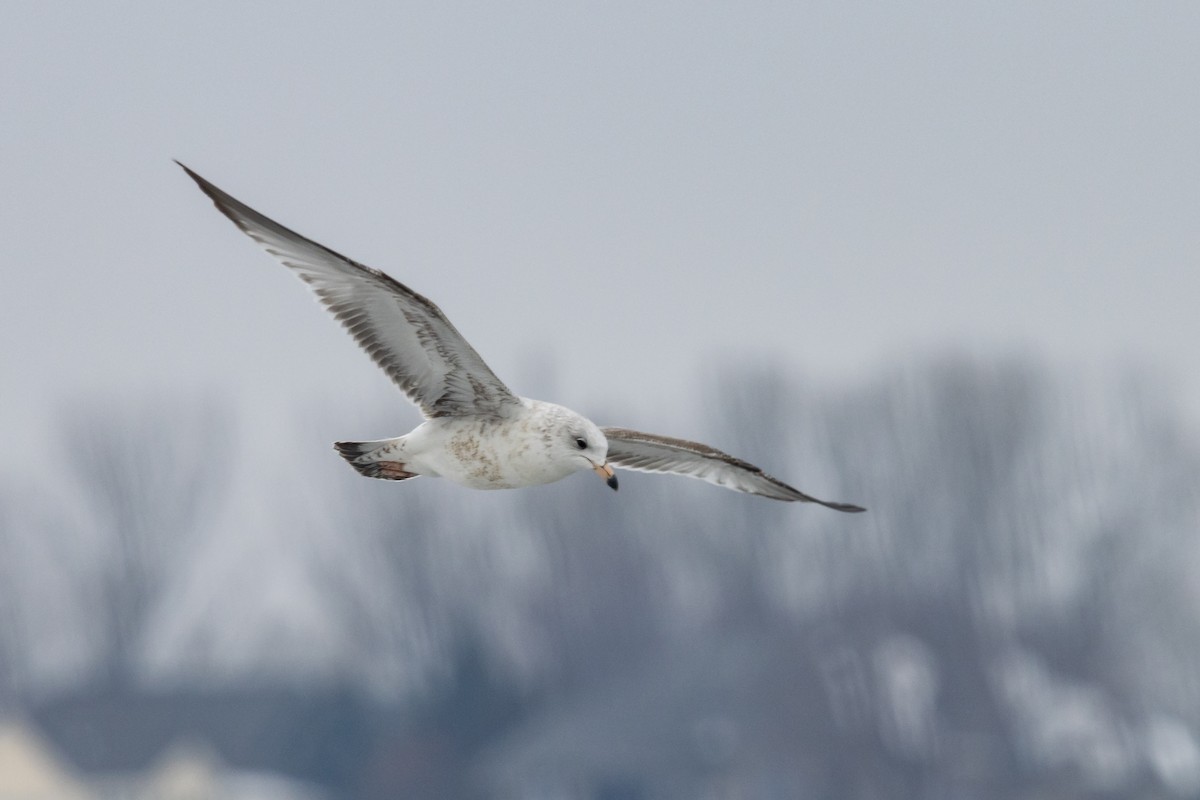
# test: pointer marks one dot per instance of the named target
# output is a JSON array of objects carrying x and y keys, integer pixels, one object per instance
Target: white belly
[{"x": 483, "y": 454}]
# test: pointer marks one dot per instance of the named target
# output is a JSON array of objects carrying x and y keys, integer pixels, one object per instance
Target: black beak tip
[{"x": 612, "y": 481}]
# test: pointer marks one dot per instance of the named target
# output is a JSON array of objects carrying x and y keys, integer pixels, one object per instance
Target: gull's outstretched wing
[
  {"x": 646, "y": 452},
  {"x": 406, "y": 334}
]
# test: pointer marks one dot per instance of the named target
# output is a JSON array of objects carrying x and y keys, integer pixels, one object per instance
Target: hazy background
[
  {"x": 827, "y": 187},
  {"x": 939, "y": 260}
]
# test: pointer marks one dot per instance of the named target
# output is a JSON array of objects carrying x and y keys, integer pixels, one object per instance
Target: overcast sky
[{"x": 630, "y": 192}]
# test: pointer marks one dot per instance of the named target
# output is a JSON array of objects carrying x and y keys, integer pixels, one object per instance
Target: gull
[{"x": 476, "y": 432}]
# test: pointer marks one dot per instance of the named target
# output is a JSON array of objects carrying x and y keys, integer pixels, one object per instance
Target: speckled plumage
[{"x": 477, "y": 432}]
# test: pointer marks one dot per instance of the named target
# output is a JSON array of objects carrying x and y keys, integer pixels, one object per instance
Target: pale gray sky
[{"x": 631, "y": 191}]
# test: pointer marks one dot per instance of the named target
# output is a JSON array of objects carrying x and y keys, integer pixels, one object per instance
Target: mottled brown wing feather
[
  {"x": 647, "y": 452},
  {"x": 404, "y": 333}
]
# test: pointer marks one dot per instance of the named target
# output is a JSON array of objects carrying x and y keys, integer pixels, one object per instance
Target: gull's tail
[{"x": 378, "y": 459}]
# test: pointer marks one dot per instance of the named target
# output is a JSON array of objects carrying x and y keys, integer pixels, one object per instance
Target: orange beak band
[{"x": 606, "y": 472}]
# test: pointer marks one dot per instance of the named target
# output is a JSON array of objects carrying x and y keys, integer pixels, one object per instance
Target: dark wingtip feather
[
  {"x": 849, "y": 508},
  {"x": 191, "y": 173},
  {"x": 224, "y": 202}
]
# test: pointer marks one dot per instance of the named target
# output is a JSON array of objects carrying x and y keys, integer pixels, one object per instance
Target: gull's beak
[{"x": 606, "y": 472}]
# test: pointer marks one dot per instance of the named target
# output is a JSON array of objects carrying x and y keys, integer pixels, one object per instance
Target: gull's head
[{"x": 576, "y": 438}]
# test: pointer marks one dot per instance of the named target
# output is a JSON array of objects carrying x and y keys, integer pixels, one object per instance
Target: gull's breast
[{"x": 491, "y": 454}]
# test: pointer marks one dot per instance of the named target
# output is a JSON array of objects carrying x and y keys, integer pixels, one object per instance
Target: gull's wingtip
[
  {"x": 225, "y": 203},
  {"x": 191, "y": 172},
  {"x": 848, "y": 508}
]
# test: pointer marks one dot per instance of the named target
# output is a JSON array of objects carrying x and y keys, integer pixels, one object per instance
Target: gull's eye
[{"x": 581, "y": 443}]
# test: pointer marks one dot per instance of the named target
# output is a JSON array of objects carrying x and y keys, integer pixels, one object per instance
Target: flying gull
[{"x": 476, "y": 431}]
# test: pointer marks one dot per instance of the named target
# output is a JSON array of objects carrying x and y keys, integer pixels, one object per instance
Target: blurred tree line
[{"x": 1014, "y": 616}]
